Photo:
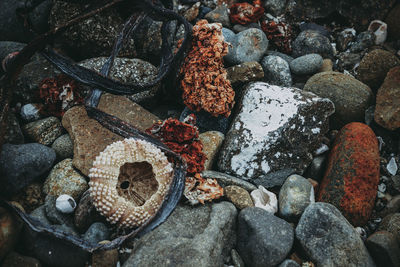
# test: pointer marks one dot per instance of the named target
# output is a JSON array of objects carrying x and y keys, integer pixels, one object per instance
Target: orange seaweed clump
[
  {"x": 182, "y": 138},
  {"x": 245, "y": 13},
  {"x": 204, "y": 83}
]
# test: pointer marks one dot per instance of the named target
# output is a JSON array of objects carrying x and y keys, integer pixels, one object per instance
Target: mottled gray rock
[
  {"x": 219, "y": 14},
  {"x": 312, "y": 42},
  {"x": 97, "y": 232},
  {"x": 362, "y": 42},
  {"x": 272, "y": 179},
  {"x": 31, "y": 112},
  {"x": 317, "y": 168},
  {"x": 128, "y": 70},
  {"x": 21, "y": 164},
  {"x": 7, "y": 47},
  {"x": 191, "y": 236},
  {"x": 245, "y": 72},
  {"x": 239, "y": 27},
  {"x": 229, "y": 35},
  {"x": 44, "y": 131},
  {"x": 289, "y": 126},
  {"x": 275, "y": 7},
  {"x": 294, "y": 197},
  {"x": 262, "y": 238},
  {"x": 226, "y": 180},
  {"x": 276, "y": 71},
  {"x": 63, "y": 147},
  {"x": 40, "y": 214},
  {"x": 64, "y": 179},
  {"x": 86, "y": 213},
  {"x": 350, "y": 96},
  {"x": 329, "y": 239},
  {"x": 384, "y": 249},
  {"x": 13, "y": 134},
  {"x": 304, "y": 26},
  {"x": 287, "y": 58},
  {"x": 236, "y": 259},
  {"x": 289, "y": 263},
  {"x": 250, "y": 45},
  {"x": 391, "y": 223},
  {"x": 307, "y": 64}
]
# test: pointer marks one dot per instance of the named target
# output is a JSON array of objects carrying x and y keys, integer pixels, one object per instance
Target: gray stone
[
  {"x": 276, "y": 71},
  {"x": 272, "y": 179},
  {"x": 262, "y": 238},
  {"x": 13, "y": 133},
  {"x": 245, "y": 72},
  {"x": 40, "y": 214},
  {"x": 226, "y": 180},
  {"x": 329, "y": 239},
  {"x": 362, "y": 42},
  {"x": 55, "y": 216},
  {"x": 129, "y": 70},
  {"x": 294, "y": 197},
  {"x": 317, "y": 168},
  {"x": 229, "y": 35},
  {"x": 64, "y": 179},
  {"x": 212, "y": 141},
  {"x": 44, "y": 131},
  {"x": 31, "y": 112},
  {"x": 20, "y": 165},
  {"x": 250, "y": 45},
  {"x": 287, "y": 58},
  {"x": 312, "y": 42},
  {"x": 350, "y": 96},
  {"x": 219, "y": 14},
  {"x": 307, "y": 64},
  {"x": 63, "y": 147},
  {"x": 236, "y": 259},
  {"x": 239, "y": 28},
  {"x": 7, "y": 47},
  {"x": 384, "y": 249},
  {"x": 191, "y": 236},
  {"x": 304, "y": 26},
  {"x": 391, "y": 223},
  {"x": 289, "y": 263},
  {"x": 275, "y": 7},
  {"x": 290, "y": 125},
  {"x": 97, "y": 232},
  {"x": 86, "y": 213},
  {"x": 392, "y": 206}
]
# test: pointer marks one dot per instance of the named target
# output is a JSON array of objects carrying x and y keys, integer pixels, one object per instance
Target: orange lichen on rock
[
  {"x": 183, "y": 138},
  {"x": 352, "y": 175},
  {"x": 245, "y": 13},
  {"x": 204, "y": 83}
]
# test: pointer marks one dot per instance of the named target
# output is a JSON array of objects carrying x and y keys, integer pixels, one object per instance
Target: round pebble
[
  {"x": 307, "y": 64},
  {"x": 238, "y": 196},
  {"x": 276, "y": 71},
  {"x": 63, "y": 147},
  {"x": 97, "y": 232}
]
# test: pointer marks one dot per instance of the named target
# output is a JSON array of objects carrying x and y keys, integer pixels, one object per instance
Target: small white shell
[
  {"x": 65, "y": 204},
  {"x": 379, "y": 28},
  {"x": 265, "y": 199}
]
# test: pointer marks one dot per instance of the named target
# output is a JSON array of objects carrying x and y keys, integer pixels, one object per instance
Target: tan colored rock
[
  {"x": 105, "y": 258},
  {"x": 212, "y": 141},
  {"x": 90, "y": 138},
  {"x": 238, "y": 196},
  {"x": 245, "y": 72},
  {"x": 327, "y": 65},
  {"x": 387, "y": 109},
  {"x": 44, "y": 131}
]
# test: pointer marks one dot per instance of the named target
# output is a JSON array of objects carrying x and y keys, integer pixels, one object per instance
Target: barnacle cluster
[
  {"x": 204, "y": 83},
  {"x": 129, "y": 181}
]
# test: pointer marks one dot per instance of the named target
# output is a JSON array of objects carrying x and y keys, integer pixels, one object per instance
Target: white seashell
[
  {"x": 128, "y": 182},
  {"x": 379, "y": 28},
  {"x": 265, "y": 199},
  {"x": 65, "y": 204}
]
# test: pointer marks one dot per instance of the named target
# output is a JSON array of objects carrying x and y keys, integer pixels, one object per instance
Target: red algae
[
  {"x": 204, "y": 83},
  {"x": 245, "y": 13},
  {"x": 279, "y": 33},
  {"x": 352, "y": 175}
]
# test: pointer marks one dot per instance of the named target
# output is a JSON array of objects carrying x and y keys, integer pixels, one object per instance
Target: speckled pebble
[
  {"x": 219, "y": 14},
  {"x": 212, "y": 141},
  {"x": 63, "y": 147},
  {"x": 309, "y": 42},
  {"x": 245, "y": 72},
  {"x": 238, "y": 196},
  {"x": 44, "y": 131},
  {"x": 276, "y": 71},
  {"x": 64, "y": 179},
  {"x": 31, "y": 112},
  {"x": 97, "y": 232},
  {"x": 307, "y": 64},
  {"x": 13, "y": 134}
]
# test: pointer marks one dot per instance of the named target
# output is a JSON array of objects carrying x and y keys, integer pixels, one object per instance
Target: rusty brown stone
[{"x": 212, "y": 141}]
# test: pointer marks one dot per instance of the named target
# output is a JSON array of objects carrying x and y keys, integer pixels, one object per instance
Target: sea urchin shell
[{"x": 128, "y": 182}]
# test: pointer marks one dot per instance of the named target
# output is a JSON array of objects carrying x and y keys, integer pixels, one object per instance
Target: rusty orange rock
[{"x": 352, "y": 175}]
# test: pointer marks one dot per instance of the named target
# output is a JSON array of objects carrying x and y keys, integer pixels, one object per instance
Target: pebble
[
  {"x": 289, "y": 263},
  {"x": 258, "y": 147},
  {"x": 65, "y": 204},
  {"x": 239, "y": 28},
  {"x": 20, "y": 165},
  {"x": 384, "y": 249},
  {"x": 220, "y": 14},
  {"x": 265, "y": 199},
  {"x": 63, "y": 147},
  {"x": 7, "y": 47},
  {"x": 10, "y": 228},
  {"x": 273, "y": 179},
  {"x": 212, "y": 141},
  {"x": 229, "y": 36},
  {"x": 97, "y": 232},
  {"x": 203, "y": 10},
  {"x": 326, "y": 236},
  {"x": 13, "y": 134},
  {"x": 238, "y": 196},
  {"x": 236, "y": 259},
  {"x": 262, "y": 238},
  {"x": 391, "y": 223},
  {"x": 31, "y": 112},
  {"x": 192, "y": 12},
  {"x": 374, "y": 66},
  {"x": 249, "y": 45},
  {"x": 307, "y": 64},
  {"x": 14, "y": 259},
  {"x": 351, "y": 184},
  {"x": 44, "y": 131},
  {"x": 317, "y": 168},
  {"x": 245, "y": 72},
  {"x": 363, "y": 41},
  {"x": 276, "y": 71},
  {"x": 304, "y": 26},
  {"x": 105, "y": 258},
  {"x": 54, "y": 215},
  {"x": 393, "y": 23},
  {"x": 90, "y": 138},
  {"x": 294, "y": 197},
  {"x": 64, "y": 179},
  {"x": 206, "y": 122},
  {"x": 379, "y": 28},
  {"x": 40, "y": 214},
  {"x": 327, "y": 65},
  {"x": 86, "y": 213},
  {"x": 287, "y": 58},
  {"x": 387, "y": 105},
  {"x": 350, "y": 96},
  {"x": 312, "y": 42},
  {"x": 392, "y": 206},
  {"x": 224, "y": 180}
]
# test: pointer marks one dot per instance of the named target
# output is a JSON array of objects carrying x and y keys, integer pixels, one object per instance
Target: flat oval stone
[
  {"x": 352, "y": 175},
  {"x": 238, "y": 196}
]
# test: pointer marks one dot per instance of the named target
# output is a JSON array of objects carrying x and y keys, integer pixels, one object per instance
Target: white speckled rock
[{"x": 276, "y": 128}]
